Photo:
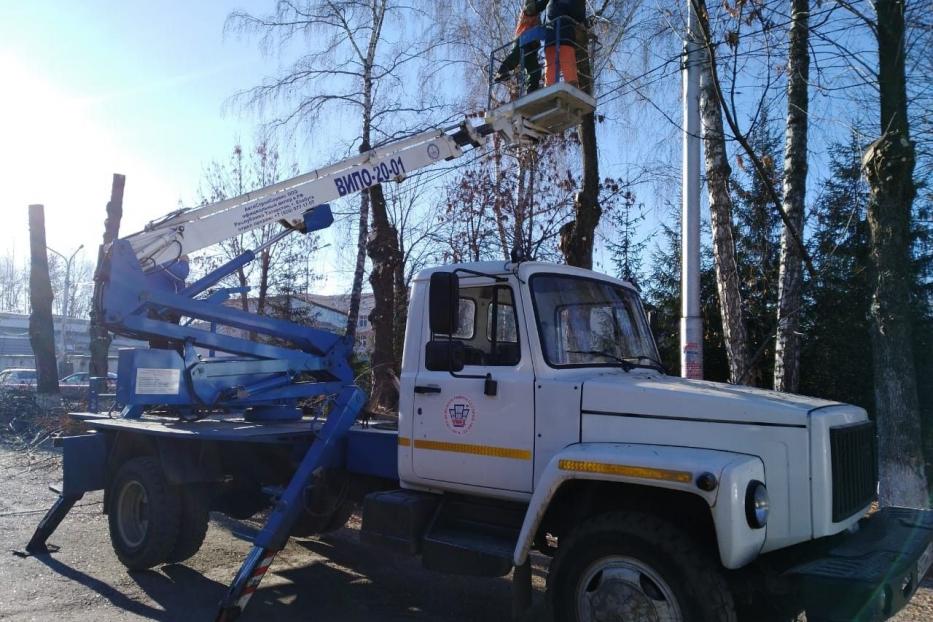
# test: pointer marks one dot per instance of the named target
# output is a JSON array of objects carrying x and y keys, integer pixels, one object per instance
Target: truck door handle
[{"x": 427, "y": 389}]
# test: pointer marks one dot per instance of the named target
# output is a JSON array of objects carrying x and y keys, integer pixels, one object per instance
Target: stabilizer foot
[{"x": 37, "y": 544}]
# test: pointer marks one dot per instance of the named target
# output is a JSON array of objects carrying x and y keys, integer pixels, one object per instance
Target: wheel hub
[
  {"x": 133, "y": 513},
  {"x": 620, "y": 589}
]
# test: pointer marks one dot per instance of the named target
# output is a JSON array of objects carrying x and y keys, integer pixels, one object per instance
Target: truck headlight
[{"x": 756, "y": 505}]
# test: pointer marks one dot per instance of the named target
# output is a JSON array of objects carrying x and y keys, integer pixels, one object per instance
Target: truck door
[{"x": 461, "y": 434}]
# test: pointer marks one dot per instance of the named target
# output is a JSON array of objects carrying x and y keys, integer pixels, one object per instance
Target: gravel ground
[{"x": 335, "y": 578}]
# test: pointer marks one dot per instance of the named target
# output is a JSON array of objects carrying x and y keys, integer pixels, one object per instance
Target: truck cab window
[
  {"x": 588, "y": 322},
  {"x": 487, "y": 342}
]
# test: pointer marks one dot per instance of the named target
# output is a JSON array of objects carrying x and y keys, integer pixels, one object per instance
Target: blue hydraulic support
[
  {"x": 147, "y": 304},
  {"x": 275, "y": 533}
]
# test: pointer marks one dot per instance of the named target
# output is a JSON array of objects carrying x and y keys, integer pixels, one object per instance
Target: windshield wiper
[
  {"x": 655, "y": 363},
  {"x": 626, "y": 365}
]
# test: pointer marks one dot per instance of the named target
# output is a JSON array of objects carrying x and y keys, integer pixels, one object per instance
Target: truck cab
[{"x": 535, "y": 391}]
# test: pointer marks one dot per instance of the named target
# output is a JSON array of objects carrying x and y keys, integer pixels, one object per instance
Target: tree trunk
[
  {"x": 99, "y": 337},
  {"x": 401, "y": 306},
  {"x": 356, "y": 290},
  {"x": 787, "y": 341},
  {"x": 718, "y": 172},
  {"x": 265, "y": 263},
  {"x": 41, "y": 328},
  {"x": 497, "y": 201},
  {"x": 244, "y": 283},
  {"x": 888, "y": 165},
  {"x": 576, "y": 237},
  {"x": 383, "y": 251}
]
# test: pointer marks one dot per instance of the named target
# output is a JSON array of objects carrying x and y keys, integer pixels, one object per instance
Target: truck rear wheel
[
  {"x": 635, "y": 566},
  {"x": 195, "y": 514},
  {"x": 144, "y": 514}
]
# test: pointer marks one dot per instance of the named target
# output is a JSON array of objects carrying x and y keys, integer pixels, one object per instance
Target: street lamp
[{"x": 67, "y": 287}]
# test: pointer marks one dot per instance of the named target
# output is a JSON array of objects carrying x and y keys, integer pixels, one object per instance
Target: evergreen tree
[
  {"x": 662, "y": 296},
  {"x": 836, "y": 354},
  {"x": 625, "y": 250},
  {"x": 758, "y": 230}
]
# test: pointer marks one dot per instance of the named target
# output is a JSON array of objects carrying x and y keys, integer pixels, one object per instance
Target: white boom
[{"x": 541, "y": 113}]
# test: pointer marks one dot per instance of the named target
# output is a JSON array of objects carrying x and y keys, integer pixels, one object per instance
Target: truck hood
[{"x": 650, "y": 394}]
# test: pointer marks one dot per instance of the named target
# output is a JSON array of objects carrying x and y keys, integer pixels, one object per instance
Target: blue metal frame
[{"x": 142, "y": 303}]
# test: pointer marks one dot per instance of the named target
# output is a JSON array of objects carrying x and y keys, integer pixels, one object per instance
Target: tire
[
  {"x": 195, "y": 514},
  {"x": 144, "y": 514},
  {"x": 326, "y": 507},
  {"x": 635, "y": 566}
]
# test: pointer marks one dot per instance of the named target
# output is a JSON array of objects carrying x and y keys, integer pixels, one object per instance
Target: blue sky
[{"x": 98, "y": 87}]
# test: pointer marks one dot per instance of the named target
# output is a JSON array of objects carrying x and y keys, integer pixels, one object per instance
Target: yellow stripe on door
[{"x": 468, "y": 448}]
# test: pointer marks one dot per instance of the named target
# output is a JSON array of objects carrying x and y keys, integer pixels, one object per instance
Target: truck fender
[{"x": 675, "y": 468}]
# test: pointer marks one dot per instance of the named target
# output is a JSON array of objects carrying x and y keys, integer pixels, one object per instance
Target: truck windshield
[{"x": 588, "y": 322}]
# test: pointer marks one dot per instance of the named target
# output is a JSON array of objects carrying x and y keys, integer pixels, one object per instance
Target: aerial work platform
[{"x": 552, "y": 109}]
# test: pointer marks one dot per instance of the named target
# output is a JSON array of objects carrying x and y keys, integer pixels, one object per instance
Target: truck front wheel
[
  {"x": 635, "y": 566},
  {"x": 144, "y": 514}
]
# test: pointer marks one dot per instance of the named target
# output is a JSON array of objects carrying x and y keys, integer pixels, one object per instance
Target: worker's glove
[{"x": 500, "y": 77}]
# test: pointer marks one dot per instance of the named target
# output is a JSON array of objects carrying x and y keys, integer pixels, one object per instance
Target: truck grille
[{"x": 853, "y": 467}]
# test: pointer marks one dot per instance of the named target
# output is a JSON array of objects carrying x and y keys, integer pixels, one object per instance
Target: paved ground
[{"x": 337, "y": 578}]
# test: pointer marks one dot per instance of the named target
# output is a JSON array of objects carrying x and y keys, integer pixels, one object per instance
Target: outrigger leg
[
  {"x": 275, "y": 533},
  {"x": 84, "y": 460},
  {"x": 50, "y": 522}
]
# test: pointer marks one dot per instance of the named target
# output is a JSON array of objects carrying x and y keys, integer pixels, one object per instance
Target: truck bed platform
[
  {"x": 216, "y": 428},
  {"x": 367, "y": 449}
]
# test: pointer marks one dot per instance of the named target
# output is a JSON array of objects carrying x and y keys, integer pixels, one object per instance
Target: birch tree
[
  {"x": 348, "y": 63},
  {"x": 787, "y": 342},
  {"x": 718, "y": 174},
  {"x": 247, "y": 170}
]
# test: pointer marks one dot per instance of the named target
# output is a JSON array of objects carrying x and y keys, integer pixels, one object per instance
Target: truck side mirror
[
  {"x": 444, "y": 355},
  {"x": 443, "y": 302}
]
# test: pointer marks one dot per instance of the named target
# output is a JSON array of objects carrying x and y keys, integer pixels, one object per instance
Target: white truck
[
  {"x": 537, "y": 417},
  {"x": 534, "y": 416}
]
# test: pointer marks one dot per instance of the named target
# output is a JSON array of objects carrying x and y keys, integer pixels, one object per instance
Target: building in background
[
  {"x": 16, "y": 350},
  {"x": 341, "y": 303}
]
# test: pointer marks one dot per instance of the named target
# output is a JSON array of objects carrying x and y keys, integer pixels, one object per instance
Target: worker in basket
[
  {"x": 525, "y": 49},
  {"x": 567, "y": 19}
]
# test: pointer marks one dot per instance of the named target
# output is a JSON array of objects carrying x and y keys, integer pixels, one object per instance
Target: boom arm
[{"x": 179, "y": 233}]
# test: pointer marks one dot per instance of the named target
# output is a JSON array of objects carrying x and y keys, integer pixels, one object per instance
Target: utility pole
[
  {"x": 66, "y": 295},
  {"x": 691, "y": 323}
]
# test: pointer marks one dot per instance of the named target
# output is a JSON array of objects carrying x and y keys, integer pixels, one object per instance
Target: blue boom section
[{"x": 265, "y": 381}]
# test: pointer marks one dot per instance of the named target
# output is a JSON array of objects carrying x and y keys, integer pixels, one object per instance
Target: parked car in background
[
  {"x": 18, "y": 381},
  {"x": 75, "y": 386}
]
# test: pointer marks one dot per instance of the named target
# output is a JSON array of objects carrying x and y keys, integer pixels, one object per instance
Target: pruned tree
[
  {"x": 888, "y": 165},
  {"x": 41, "y": 330},
  {"x": 98, "y": 335}
]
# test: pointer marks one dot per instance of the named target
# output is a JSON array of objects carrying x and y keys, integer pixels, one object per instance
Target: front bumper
[{"x": 870, "y": 574}]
